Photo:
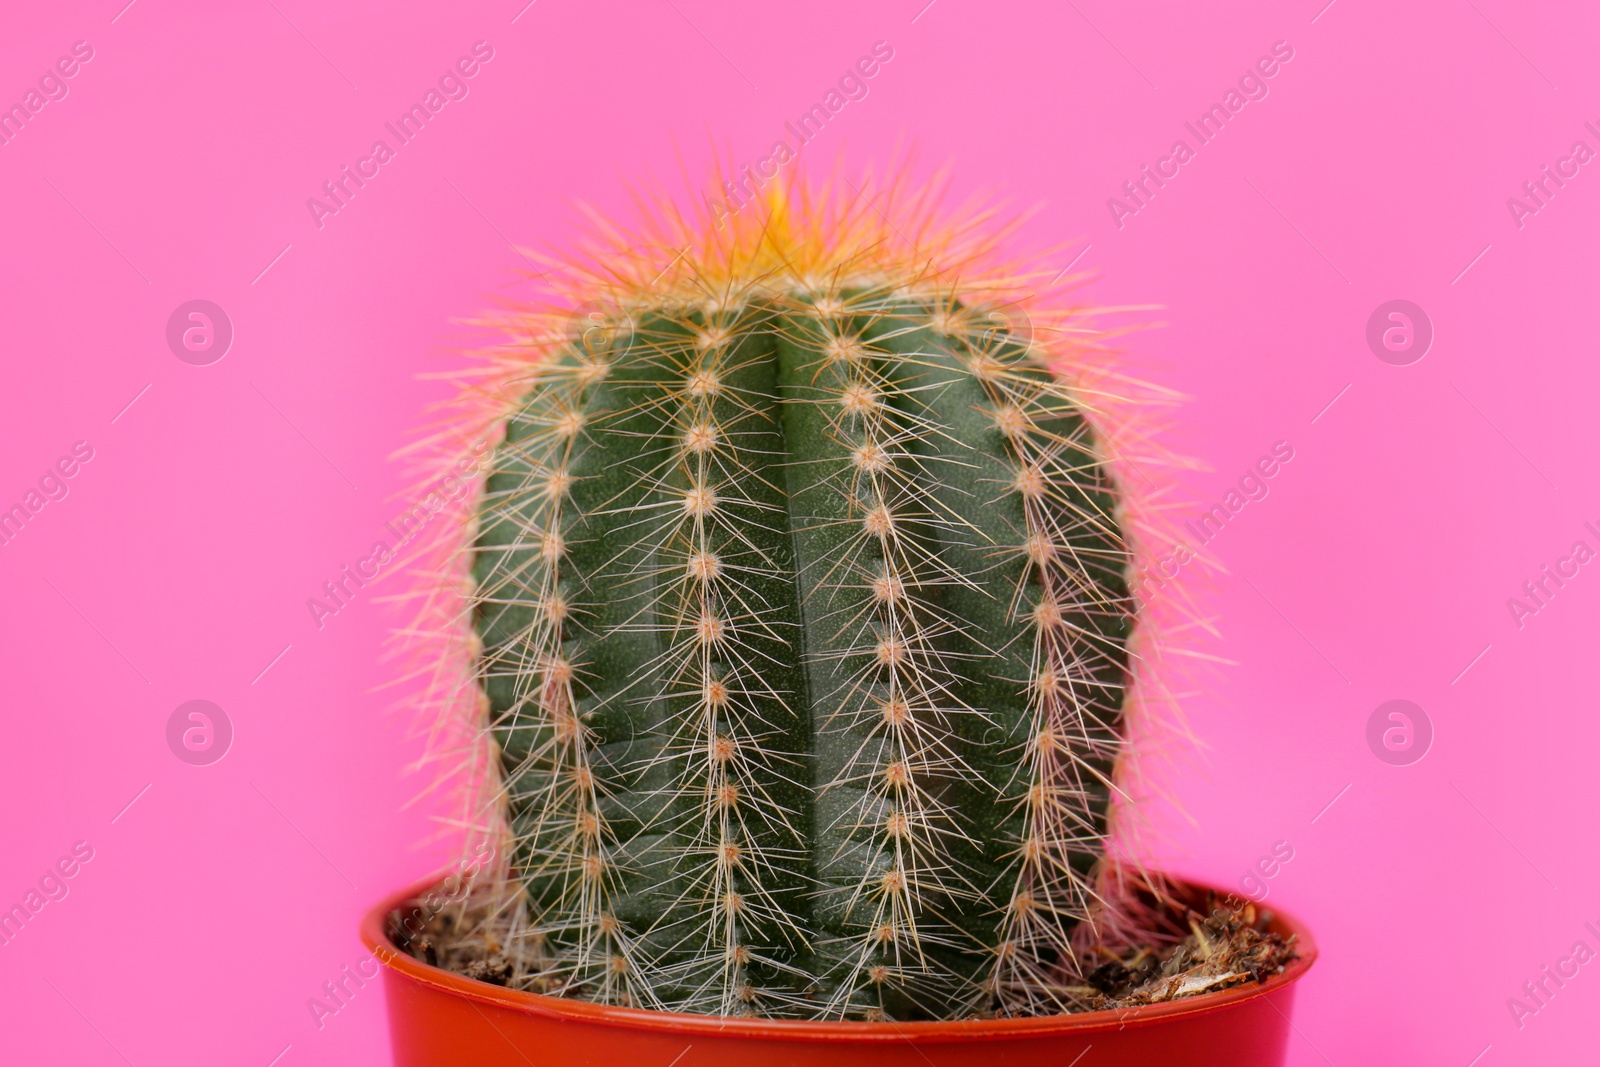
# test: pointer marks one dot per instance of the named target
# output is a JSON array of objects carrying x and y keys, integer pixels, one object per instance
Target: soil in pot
[{"x": 1195, "y": 942}]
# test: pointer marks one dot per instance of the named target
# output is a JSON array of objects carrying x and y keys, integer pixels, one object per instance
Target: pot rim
[{"x": 376, "y": 939}]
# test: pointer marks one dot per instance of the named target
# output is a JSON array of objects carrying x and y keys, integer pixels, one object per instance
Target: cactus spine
[{"x": 803, "y": 617}]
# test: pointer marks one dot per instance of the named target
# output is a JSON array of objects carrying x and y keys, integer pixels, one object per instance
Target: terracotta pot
[{"x": 439, "y": 1019}]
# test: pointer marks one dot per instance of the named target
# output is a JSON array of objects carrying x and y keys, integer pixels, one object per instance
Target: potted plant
[{"x": 791, "y": 648}]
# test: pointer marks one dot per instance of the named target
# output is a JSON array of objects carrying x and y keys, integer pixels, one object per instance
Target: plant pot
[{"x": 440, "y": 1019}]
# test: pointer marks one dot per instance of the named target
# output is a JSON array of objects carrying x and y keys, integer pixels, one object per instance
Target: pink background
[{"x": 179, "y": 565}]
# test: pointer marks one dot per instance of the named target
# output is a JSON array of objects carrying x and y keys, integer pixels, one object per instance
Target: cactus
[{"x": 800, "y": 583}]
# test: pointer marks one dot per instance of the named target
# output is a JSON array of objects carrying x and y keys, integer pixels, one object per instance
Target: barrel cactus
[{"x": 799, "y": 584}]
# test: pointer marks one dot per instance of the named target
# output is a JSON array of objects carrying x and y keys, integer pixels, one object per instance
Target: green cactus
[{"x": 804, "y": 619}]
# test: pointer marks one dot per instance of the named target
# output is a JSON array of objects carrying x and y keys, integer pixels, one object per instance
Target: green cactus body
[{"x": 803, "y": 626}]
